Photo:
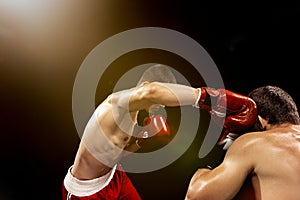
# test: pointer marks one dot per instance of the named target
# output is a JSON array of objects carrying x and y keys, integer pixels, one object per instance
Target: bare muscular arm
[
  {"x": 147, "y": 94},
  {"x": 226, "y": 180}
]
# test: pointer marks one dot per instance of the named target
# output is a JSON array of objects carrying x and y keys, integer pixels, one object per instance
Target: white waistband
[{"x": 87, "y": 187}]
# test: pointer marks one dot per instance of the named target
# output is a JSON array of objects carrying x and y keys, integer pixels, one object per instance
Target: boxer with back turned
[{"x": 267, "y": 157}]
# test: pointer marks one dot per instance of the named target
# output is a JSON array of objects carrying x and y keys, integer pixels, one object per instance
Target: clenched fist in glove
[
  {"x": 154, "y": 127},
  {"x": 235, "y": 111},
  {"x": 152, "y": 133}
]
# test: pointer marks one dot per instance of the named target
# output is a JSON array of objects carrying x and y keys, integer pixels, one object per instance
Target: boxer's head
[
  {"x": 158, "y": 73},
  {"x": 155, "y": 73},
  {"x": 275, "y": 106}
]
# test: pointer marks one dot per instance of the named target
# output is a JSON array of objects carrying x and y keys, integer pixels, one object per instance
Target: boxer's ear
[{"x": 263, "y": 122}]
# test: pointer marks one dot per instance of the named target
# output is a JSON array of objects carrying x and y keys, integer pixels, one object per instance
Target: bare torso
[{"x": 113, "y": 122}]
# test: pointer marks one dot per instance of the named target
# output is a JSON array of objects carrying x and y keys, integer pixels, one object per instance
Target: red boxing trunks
[{"x": 114, "y": 185}]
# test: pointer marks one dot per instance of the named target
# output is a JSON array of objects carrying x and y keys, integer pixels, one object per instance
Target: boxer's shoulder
[{"x": 249, "y": 142}]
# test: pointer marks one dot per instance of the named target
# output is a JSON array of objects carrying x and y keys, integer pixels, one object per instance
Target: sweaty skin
[{"x": 268, "y": 159}]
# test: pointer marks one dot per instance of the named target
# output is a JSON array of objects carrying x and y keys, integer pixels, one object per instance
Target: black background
[{"x": 42, "y": 45}]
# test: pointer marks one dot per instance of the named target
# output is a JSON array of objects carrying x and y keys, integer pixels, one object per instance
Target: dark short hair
[{"x": 275, "y": 105}]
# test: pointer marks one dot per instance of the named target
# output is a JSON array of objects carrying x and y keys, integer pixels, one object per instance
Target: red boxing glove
[
  {"x": 154, "y": 126},
  {"x": 235, "y": 111}
]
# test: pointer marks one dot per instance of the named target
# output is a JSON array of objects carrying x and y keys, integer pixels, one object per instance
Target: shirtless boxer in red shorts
[{"x": 111, "y": 133}]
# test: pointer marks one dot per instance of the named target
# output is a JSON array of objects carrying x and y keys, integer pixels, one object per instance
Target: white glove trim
[
  {"x": 228, "y": 140},
  {"x": 196, "y": 104}
]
